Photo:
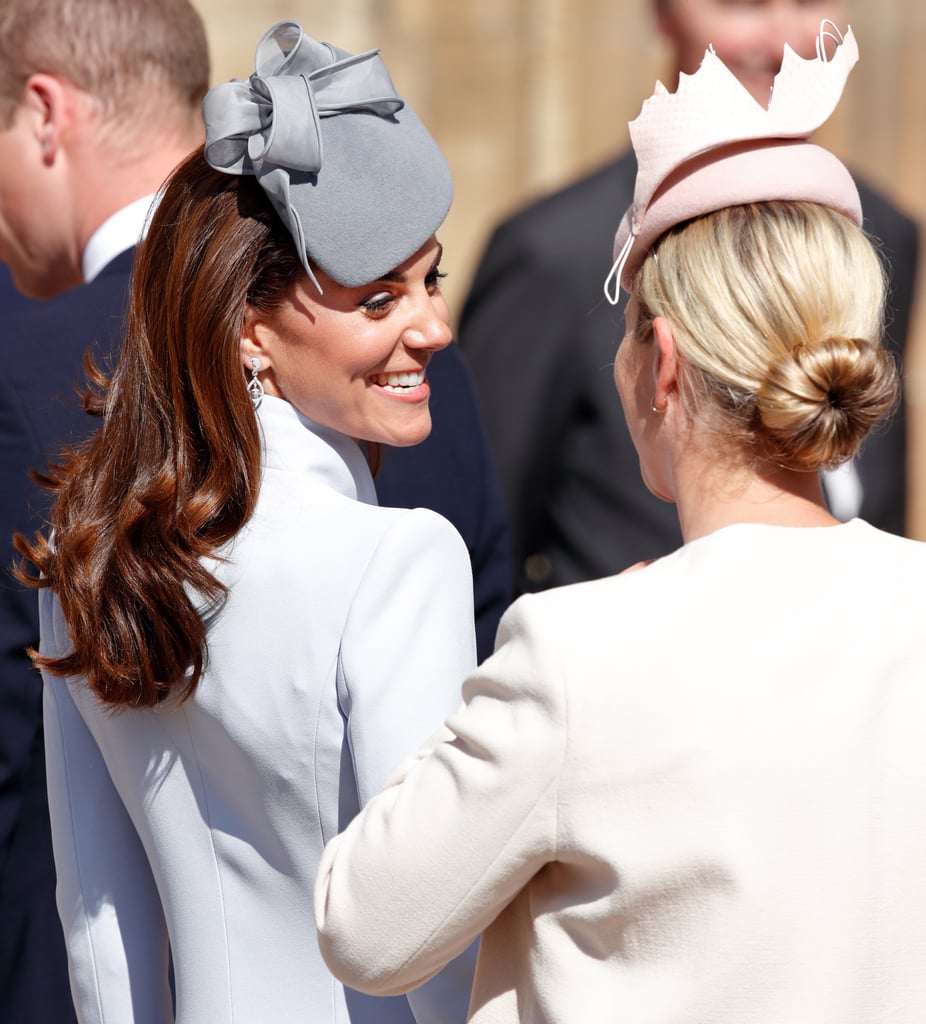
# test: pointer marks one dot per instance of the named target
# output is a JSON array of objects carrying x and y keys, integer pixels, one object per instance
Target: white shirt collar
[{"x": 125, "y": 228}]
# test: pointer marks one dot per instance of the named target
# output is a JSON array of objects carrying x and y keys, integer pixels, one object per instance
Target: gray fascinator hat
[{"x": 348, "y": 166}]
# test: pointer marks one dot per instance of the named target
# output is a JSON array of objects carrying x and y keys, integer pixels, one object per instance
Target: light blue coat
[{"x": 346, "y": 635}]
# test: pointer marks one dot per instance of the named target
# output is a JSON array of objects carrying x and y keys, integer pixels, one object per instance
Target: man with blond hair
[{"x": 99, "y": 101}]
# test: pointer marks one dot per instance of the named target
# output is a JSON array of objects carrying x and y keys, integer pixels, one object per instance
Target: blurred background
[{"x": 524, "y": 95}]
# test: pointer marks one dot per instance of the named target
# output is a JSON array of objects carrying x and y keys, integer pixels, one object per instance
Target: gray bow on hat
[{"x": 276, "y": 126}]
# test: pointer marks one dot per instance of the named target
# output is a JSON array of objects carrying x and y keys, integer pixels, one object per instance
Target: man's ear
[
  {"x": 665, "y": 368},
  {"x": 50, "y": 103}
]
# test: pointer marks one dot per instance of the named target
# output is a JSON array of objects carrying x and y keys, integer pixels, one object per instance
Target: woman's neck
[{"x": 711, "y": 495}]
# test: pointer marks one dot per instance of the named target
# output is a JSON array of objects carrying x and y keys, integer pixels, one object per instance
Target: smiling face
[
  {"x": 747, "y": 35},
  {"x": 354, "y": 359}
]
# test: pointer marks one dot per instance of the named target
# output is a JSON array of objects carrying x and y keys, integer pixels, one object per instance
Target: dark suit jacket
[
  {"x": 43, "y": 344},
  {"x": 453, "y": 473},
  {"x": 541, "y": 340},
  {"x": 882, "y": 464}
]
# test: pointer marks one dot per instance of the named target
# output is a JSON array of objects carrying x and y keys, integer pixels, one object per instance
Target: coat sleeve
[
  {"x": 407, "y": 646},
  {"x": 430, "y": 862},
  {"x": 107, "y": 900},
  {"x": 453, "y": 473}
]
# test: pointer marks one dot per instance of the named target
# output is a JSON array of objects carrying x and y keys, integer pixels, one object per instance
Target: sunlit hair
[
  {"x": 144, "y": 61},
  {"x": 174, "y": 471},
  {"x": 777, "y": 312}
]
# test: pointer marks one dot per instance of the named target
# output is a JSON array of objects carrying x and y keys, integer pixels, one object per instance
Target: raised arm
[
  {"x": 431, "y": 862},
  {"x": 408, "y": 645}
]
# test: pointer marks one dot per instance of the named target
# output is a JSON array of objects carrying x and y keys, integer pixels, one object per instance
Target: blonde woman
[{"x": 695, "y": 791}]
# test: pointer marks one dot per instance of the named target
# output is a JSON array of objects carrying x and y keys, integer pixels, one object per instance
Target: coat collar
[{"x": 293, "y": 442}]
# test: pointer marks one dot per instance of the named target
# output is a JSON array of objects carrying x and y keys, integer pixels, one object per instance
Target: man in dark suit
[
  {"x": 541, "y": 338},
  {"x": 98, "y": 102},
  {"x": 39, "y": 410}
]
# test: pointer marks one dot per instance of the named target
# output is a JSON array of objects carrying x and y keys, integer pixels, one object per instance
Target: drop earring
[{"x": 255, "y": 388}]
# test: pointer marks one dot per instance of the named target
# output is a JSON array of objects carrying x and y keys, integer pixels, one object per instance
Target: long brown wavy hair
[{"x": 174, "y": 471}]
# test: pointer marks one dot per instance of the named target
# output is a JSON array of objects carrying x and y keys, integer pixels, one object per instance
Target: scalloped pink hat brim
[{"x": 742, "y": 173}]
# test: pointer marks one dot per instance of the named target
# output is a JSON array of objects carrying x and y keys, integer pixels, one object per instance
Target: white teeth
[{"x": 401, "y": 381}]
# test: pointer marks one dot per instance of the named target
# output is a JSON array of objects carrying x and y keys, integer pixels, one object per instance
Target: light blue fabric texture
[{"x": 342, "y": 646}]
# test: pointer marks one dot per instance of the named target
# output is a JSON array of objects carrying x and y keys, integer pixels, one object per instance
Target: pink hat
[{"x": 711, "y": 145}]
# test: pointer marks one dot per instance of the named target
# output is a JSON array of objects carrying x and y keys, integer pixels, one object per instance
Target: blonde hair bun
[
  {"x": 777, "y": 311},
  {"x": 820, "y": 400}
]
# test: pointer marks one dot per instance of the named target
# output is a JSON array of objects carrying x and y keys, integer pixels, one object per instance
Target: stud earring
[
  {"x": 657, "y": 410},
  {"x": 255, "y": 388}
]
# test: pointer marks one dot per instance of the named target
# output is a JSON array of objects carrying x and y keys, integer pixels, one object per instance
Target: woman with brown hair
[
  {"x": 238, "y": 645},
  {"x": 695, "y": 791}
]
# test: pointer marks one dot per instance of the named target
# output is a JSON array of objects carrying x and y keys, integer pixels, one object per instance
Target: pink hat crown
[{"x": 713, "y": 119}]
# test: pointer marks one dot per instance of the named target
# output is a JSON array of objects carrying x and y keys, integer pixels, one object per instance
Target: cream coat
[
  {"x": 691, "y": 793},
  {"x": 346, "y": 635}
]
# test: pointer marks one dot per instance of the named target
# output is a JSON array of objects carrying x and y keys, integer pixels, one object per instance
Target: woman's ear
[
  {"x": 257, "y": 346},
  {"x": 253, "y": 340},
  {"x": 665, "y": 368}
]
